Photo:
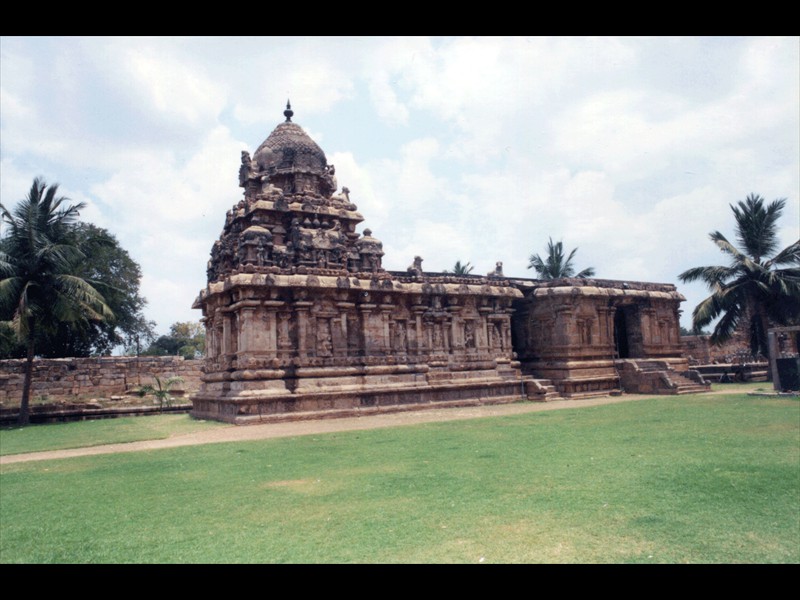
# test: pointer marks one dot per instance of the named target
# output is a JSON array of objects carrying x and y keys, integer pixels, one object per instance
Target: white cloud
[
  {"x": 472, "y": 149},
  {"x": 439, "y": 244},
  {"x": 314, "y": 73},
  {"x": 367, "y": 191},
  {"x": 169, "y": 87}
]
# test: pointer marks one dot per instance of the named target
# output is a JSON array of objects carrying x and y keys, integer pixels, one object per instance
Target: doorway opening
[{"x": 621, "y": 334}]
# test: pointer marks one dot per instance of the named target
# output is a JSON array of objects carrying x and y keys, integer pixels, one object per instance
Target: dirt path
[{"x": 237, "y": 433}]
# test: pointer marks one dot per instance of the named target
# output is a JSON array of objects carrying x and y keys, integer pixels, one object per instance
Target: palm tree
[
  {"x": 555, "y": 266},
  {"x": 752, "y": 290},
  {"x": 459, "y": 269},
  {"x": 38, "y": 288},
  {"x": 161, "y": 390}
]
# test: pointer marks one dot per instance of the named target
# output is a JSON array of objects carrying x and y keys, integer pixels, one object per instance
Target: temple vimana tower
[{"x": 302, "y": 321}]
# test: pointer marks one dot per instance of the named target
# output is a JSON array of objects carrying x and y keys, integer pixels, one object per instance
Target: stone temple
[{"x": 302, "y": 321}]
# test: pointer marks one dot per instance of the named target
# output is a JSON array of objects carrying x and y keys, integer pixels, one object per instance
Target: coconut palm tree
[
  {"x": 38, "y": 288},
  {"x": 461, "y": 269},
  {"x": 752, "y": 290},
  {"x": 162, "y": 390},
  {"x": 555, "y": 265}
]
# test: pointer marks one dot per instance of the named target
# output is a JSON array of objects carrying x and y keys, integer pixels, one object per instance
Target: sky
[{"x": 471, "y": 149}]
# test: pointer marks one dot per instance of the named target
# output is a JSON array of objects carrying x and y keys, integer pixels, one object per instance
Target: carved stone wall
[
  {"x": 572, "y": 330},
  {"x": 301, "y": 317}
]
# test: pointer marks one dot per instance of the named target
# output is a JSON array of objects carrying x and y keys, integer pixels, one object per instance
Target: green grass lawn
[
  {"x": 80, "y": 434},
  {"x": 701, "y": 479}
]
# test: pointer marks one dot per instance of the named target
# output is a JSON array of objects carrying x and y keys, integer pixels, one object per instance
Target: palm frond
[
  {"x": 712, "y": 276},
  {"x": 727, "y": 325},
  {"x": 705, "y": 312},
  {"x": 787, "y": 256},
  {"x": 756, "y": 225},
  {"x": 556, "y": 265},
  {"x": 80, "y": 292}
]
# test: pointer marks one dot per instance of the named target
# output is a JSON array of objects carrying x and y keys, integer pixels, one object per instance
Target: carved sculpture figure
[
  {"x": 329, "y": 182},
  {"x": 469, "y": 334},
  {"x": 415, "y": 269},
  {"x": 400, "y": 337},
  {"x": 498, "y": 270},
  {"x": 267, "y": 188},
  {"x": 246, "y": 168}
]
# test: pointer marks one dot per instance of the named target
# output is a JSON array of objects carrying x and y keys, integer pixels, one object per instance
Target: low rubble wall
[{"x": 60, "y": 379}]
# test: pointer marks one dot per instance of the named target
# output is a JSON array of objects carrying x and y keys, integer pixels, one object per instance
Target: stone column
[
  {"x": 386, "y": 338},
  {"x": 562, "y": 327},
  {"x": 649, "y": 325},
  {"x": 344, "y": 308},
  {"x": 604, "y": 334},
  {"x": 456, "y": 333},
  {"x": 246, "y": 324},
  {"x": 367, "y": 328},
  {"x": 227, "y": 330},
  {"x": 210, "y": 337},
  {"x": 419, "y": 333},
  {"x": 270, "y": 319},
  {"x": 301, "y": 309},
  {"x": 507, "y": 334},
  {"x": 284, "y": 335},
  {"x": 485, "y": 339}
]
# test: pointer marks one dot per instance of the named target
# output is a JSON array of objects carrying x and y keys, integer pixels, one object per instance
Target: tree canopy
[
  {"x": 753, "y": 290},
  {"x": 40, "y": 285},
  {"x": 187, "y": 339},
  {"x": 461, "y": 268},
  {"x": 555, "y": 265},
  {"x": 116, "y": 276}
]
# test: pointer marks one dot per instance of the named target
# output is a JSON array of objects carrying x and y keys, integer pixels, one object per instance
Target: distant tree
[
  {"x": 187, "y": 339},
  {"x": 140, "y": 337},
  {"x": 116, "y": 276},
  {"x": 555, "y": 265},
  {"x": 685, "y": 331},
  {"x": 751, "y": 291},
  {"x": 461, "y": 269},
  {"x": 10, "y": 346},
  {"x": 39, "y": 287}
]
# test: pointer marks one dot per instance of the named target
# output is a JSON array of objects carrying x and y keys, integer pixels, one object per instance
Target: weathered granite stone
[
  {"x": 302, "y": 321},
  {"x": 301, "y": 317},
  {"x": 575, "y": 332}
]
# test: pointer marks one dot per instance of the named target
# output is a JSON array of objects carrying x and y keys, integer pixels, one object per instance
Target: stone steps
[
  {"x": 543, "y": 389},
  {"x": 684, "y": 385},
  {"x": 658, "y": 377}
]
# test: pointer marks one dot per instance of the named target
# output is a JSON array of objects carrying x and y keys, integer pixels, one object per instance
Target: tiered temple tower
[{"x": 302, "y": 319}]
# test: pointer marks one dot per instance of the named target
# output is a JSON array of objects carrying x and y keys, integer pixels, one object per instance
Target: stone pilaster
[{"x": 301, "y": 309}]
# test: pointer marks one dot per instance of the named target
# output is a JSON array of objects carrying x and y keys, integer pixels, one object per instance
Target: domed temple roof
[{"x": 290, "y": 147}]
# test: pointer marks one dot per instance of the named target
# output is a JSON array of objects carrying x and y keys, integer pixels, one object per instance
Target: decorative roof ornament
[{"x": 289, "y": 148}]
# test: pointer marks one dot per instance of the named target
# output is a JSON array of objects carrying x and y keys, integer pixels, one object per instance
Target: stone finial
[{"x": 288, "y": 113}]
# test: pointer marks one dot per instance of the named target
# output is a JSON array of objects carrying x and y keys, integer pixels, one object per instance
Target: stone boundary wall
[
  {"x": 699, "y": 349},
  {"x": 97, "y": 377}
]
